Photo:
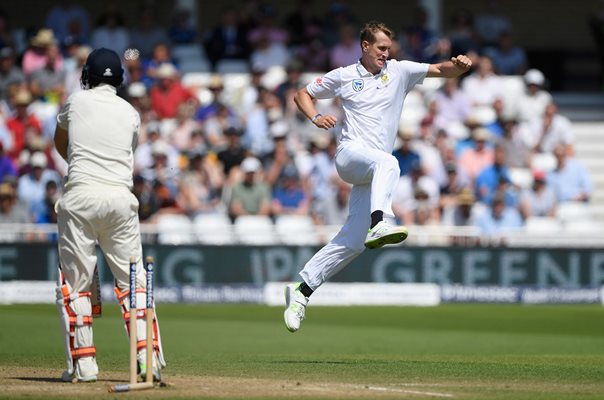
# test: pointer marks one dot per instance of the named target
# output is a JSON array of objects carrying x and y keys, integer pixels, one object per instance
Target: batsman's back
[{"x": 103, "y": 132}]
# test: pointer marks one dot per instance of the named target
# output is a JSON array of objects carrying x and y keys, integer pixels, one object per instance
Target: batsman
[{"x": 96, "y": 134}]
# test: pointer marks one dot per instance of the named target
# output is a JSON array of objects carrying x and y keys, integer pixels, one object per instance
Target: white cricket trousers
[
  {"x": 104, "y": 214},
  {"x": 374, "y": 175},
  {"x": 87, "y": 215}
]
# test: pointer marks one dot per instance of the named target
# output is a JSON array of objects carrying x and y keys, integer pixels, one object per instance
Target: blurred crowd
[{"x": 471, "y": 151}]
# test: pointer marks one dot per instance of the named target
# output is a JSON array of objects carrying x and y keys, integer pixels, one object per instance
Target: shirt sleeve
[
  {"x": 327, "y": 86},
  {"x": 63, "y": 115},
  {"x": 413, "y": 72},
  {"x": 136, "y": 128}
]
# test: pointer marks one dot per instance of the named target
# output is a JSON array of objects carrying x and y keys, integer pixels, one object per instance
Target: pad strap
[{"x": 83, "y": 352}]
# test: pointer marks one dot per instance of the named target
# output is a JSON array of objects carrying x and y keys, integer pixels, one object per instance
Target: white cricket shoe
[
  {"x": 85, "y": 370},
  {"x": 295, "y": 303},
  {"x": 384, "y": 233}
]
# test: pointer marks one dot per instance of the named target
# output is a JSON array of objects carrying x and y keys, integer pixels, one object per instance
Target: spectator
[
  {"x": 425, "y": 147},
  {"x": 338, "y": 15},
  {"x": 216, "y": 124},
  {"x": 227, "y": 40},
  {"x": 534, "y": 100},
  {"x": 499, "y": 218},
  {"x": 251, "y": 196},
  {"x": 168, "y": 93},
  {"x": 200, "y": 187},
  {"x": 9, "y": 73},
  {"x": 453, "y": 106},
  {"x": 211, "y": 109},
  {"x": 570, "y": 180},
  {"x": 147, "y": 206},
  {"x": 137, "y": 95},
  {"x": 7, "y": 166},
  {"x": 288, "y": 195},
  {"x": 347, "y": 51},
  {"x": 405, "y": 155},
  {"x": 491, "y": 23},
  {"x": 72, "y": 78},
  {"x": 414, "y": 193},
  {"x": 66, "y": 19},
  {"x": 22, "y": 122},
  {"x": 419, "y": 42},
  {"x": 234, "y": 153},
  {"x": 294, "y": 71},
  {"x": 507, "y": 58},
  {"x": 312, "y": 53},
  {"x": 267, "y": 30},
  {"x": 249, "y": 97},
  {"x": 474, "y": 159},
  {"x": 280, "y": 159},
  {"x": 462, "y": 210},
  {"x": 179, "y": 136},
  {"x": 462, "y": 35},
  {"x": 514, "y": 143},
  {"x": 148, "y": 34},
  {"x": 35, "y": 57},
  {"x": 257, "y": 136},
  {"x": 483, "y": 87},
  {"x": 491, "y": 177},
  {"x": 453, "y": 185},
  {"x": 182, "y": 30},
  {"x": 10, "y": 212},
  {"x": 143, "y": 155},
  {"x": 165, "y": 200},
  {"x": 48, "y": 82},
  {"x": 267, "y": 53},
  {"x": 31, "y": 186},
  {"x": 159, "y": 55},
  {"x": 110, "y": 31},
  {"x": 551, "y": 130},
  {"x": 135, "y": 72},
  {"x": 160, "y": 170},
  {"x": 44, "y": 211},
  {"x": 298, "y": 21},
  {"x": 539, "y": 200},
  {"x": 334, "y": 208}
]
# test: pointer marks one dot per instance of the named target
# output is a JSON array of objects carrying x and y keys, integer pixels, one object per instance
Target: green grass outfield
[{"x": 457, "y": 351}]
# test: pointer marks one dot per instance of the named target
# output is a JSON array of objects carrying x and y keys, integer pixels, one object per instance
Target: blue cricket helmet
[{"x": 102, "y": 66}]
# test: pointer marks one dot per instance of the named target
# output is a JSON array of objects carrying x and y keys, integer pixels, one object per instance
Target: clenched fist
[{"x": 462, "y": 62}]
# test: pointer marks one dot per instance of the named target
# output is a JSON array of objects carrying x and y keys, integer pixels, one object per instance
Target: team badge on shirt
[{"x": 357, "y": 85}]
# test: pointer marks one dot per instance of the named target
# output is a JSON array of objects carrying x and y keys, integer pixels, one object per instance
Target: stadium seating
[
  {"x": 573, "y": 212},
  {"x": 174, "y": 229},
  {"x": 232, "y": 66},
  {"x": 214, "y": 229},
  {"x": 255, "y": 230},
  {"x": 542, "y": 226},
  {"x": 297, "y": 230}
]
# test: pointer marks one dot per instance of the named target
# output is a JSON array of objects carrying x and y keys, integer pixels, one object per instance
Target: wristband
[{"x": 316, "y": 117}]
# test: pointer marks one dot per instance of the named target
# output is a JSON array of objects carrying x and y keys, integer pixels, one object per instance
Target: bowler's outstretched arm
[{"x": 450, "y": 69}]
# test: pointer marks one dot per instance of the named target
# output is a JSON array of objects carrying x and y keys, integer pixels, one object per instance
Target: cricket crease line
[{"x": 432, "y": 394}]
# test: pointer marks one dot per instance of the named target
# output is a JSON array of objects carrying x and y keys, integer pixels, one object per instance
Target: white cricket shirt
[
  {"x": 372, "y": 103},
  {"x": 103, "y": 132}
]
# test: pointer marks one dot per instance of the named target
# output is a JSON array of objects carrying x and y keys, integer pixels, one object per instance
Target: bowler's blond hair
[{"x": 370, "y": 29}]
